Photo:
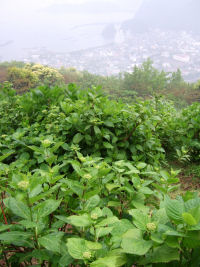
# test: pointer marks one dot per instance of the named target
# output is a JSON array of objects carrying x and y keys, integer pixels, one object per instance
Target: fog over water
[
  {"x": 107, "y": 36},
  {"x": 60, "y": 26}
]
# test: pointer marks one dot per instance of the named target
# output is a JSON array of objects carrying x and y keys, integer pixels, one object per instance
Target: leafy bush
[
  {"x": 82, "y": 183},
  {"x": 31, "y": 76},
  {"x": 185, "y": 131}
]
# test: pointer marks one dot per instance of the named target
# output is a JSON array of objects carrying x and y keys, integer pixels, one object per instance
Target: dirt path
[{"x": 189, "y": 182}]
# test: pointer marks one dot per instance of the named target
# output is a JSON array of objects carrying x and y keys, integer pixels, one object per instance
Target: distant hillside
[{"x": 167, "y": 15}]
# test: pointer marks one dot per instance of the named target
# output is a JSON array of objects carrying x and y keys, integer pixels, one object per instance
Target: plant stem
[
  {"x": 4, "y": 216},
  {"x": 31, "y": 214},
  {"x": 50, "y": 219},
  {"x": 6, "y": 260}
]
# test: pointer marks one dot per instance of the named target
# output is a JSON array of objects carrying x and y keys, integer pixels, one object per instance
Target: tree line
[{"x": 143, "y": 81}]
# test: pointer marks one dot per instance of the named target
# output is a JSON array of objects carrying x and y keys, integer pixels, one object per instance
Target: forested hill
[
  {"x": 144, "y": 81},
  {"x": 167, "y": 15}
]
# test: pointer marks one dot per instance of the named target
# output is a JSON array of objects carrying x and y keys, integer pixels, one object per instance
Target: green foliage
[
  {"x": 31, "y": 76},
  {"x": 145, "y": 79},
  {"x": 81, "y": 181},
  {"x": 176, "y": 79},
  {"x": 193, "y": 170},
  {"x": 197, "y": 85},
  {"x": 6, "y": 90},
  {"x": 45, "y": 75},
  {"x": 70, "y": 75},
  {"x": 21, "y": 78},
  {"x": 13, "y": 63},
  {"x": 186, "y": 133}
]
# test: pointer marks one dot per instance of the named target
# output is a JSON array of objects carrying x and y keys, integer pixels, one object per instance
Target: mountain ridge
[{"x": 166, "y": 15}]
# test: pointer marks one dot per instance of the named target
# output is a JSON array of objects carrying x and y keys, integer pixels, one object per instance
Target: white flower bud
[
  {"x": 23, "y": 185},
  {"x": 94, "y": 216},
  {"x": 87, "y": 176},
  {"x": 151, "y": 226},
  {"x": 87, "y": 255}
]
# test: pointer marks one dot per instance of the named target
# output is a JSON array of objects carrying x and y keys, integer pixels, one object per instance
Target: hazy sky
[
  {"x": 20, "y": 9},
  {"x": 31, "y": 23}
]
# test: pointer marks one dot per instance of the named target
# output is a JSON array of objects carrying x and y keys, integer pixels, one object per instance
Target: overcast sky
[
  {"x": 20, "y": 9},
  {"x": 30, "y": 23},
  {"x": 16, "y": 15}
]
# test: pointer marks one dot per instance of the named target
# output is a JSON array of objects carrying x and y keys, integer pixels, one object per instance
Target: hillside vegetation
[
  {"x": 86, "y": 180},
  {"x": 144, "y": 81}
]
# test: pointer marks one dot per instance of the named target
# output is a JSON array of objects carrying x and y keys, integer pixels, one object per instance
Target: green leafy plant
[{"x": 82, "y": 183}]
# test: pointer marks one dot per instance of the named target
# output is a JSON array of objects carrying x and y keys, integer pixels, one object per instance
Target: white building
[{"x": 181, "y": 58}]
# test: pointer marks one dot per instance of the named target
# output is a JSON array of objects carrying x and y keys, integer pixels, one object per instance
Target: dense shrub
[{"x": 82, "y": 184}]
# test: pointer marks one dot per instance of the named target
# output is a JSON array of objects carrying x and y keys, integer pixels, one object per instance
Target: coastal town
[{"x": 169, "y": 50}]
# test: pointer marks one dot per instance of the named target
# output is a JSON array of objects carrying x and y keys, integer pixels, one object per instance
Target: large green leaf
[
  {"x": 75, "y": 186},
  {"x": 157, "y": 238},
  {"x": 93, "y": 245},
  {"x": 160, "y": 216},
  {"x": 140, "y": 218},
  {"x": 108, "y": 221},
  {"x": 141, "y": 165},
  {"x": 96, "y": 213},
  {"x": 146, "y": 190},
  {"x": 17, "y": 238},
  {"x": 36, "y": 149},
  {"x": 195, "y": 227},
  {"x": 174, "y": 209},
  {"x": 138, "y": 200},
  {"x": 28, "y": 224},
  {"x": 162, "y": 254},
  {"x": 132, "y": 169},
  {"x": 19, "y": 208},
  {"x": 109, "y": 123},
  {"x": 91, "y": 203},
  {"x": 77, "y": 247},
  {"x": 5, "y": 227},
  {"x": 172, "y": 242},
  {"x": 121, "y": 227},
  {"x": 115, "y": 258},
  {"x": 46, "y": 207},
  {"x": 133, "y": 243},
  {"x": 189, "y": 219},
  {"x": 80, "y": 220},
  {"x": 52, "y": 241},
  {"x": 102, "y": 231},
  {"x": 77, "y": 138},
  {"x": 14, "y": 235},
  {"x": 65, "y": 260},
  {"x": 110, "y": 187},
  {"x": 76, "y": 166},
  {"x": 97, "y": 130},
  {"x": 107, "y": 145},
  {"x": 169, "y": 231},
  {"x": 165, "y": 174},
  {"x": 35, "y": 188},
  {"x": 192, "y": 203},
  {"x": 195, "y": 212},
  {"x": 44, "y": 194}
]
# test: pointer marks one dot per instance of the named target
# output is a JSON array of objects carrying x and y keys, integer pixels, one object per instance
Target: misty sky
[{"x": 50, "y": 23}]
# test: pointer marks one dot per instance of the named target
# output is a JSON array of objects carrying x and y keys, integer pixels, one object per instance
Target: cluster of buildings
[{"x": 169, "y": 50}]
